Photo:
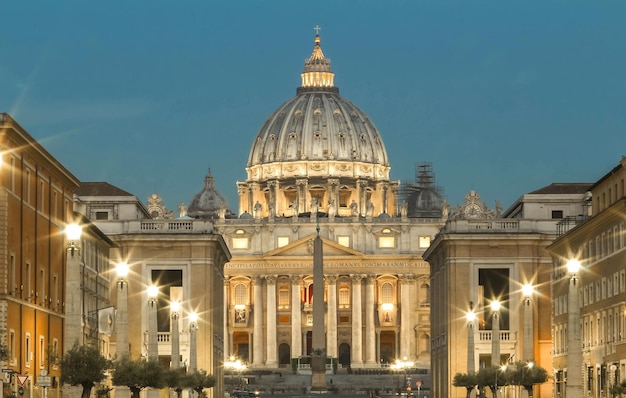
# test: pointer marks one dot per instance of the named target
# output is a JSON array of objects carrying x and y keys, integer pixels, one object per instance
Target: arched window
[
  {"x": 283, "y": 297},
  {"x": 386, "y": 293},
  {"x": 344, "y": 296},
  {"x": 241, "y": 295}
]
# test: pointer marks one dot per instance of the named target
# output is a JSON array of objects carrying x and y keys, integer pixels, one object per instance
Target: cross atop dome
[{"x": 317, "y": 72}]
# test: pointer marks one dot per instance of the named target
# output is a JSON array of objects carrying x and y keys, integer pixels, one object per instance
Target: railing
[
  {"x": 500, "y": 225},
  {"x": 569, "y": 223},
  {"x": 487, "y": 335}
]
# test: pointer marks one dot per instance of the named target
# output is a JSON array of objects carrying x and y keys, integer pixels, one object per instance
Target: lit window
[
  {"x": 240, "y": 243},
  {"x": 283, "y": 297},
  {"x": 344, "y": 241},
  {"x": 283, "y": 241},
  {"x": 424, "y": 242},
  {"x": 241, "y": 294},
  {"x": 344, "y": 297},
  {"x": 386, "y": 242},
  {"x": 386, "y": 293}
]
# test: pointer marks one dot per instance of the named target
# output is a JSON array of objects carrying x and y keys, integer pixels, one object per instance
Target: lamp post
[
  {"x": 73, "y": 300},
  {"x": 495, "y": 333},
  {"x": 193, "y": 350},
  {"x": 121, "y": 316},
  {"x": 73, "y": 330},
  {"x": 527, "y": 291},
  {"x": 471, "y": 360},
  {"x": 613, "y": 368},
  {"x": 175, "y": 308},
  {"x": 573, "y": 386},
  {"x": 153, "y": 348}
]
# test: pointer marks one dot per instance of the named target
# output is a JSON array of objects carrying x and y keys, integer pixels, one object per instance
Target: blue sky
[{"x": 502, "y": 97}]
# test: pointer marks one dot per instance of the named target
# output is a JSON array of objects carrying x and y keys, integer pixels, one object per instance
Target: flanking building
[
  {"x": 598, "y": 301},
  {"x": 483, "y": 257}
]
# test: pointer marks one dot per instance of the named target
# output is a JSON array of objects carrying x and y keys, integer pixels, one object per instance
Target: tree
[
  {"x": 139, "y": 374},
  {"x": 467, "y": 380},
  {"x": 526, "y": 375},
  {"x": 84, "y": 366},
  {"x": 198, "y": 381},
  {"x": 175, "y": 379},
  {"x": 492, "y": 378}
]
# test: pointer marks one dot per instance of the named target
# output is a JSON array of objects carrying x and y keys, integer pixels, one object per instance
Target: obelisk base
[{"x": 318, "y": 379}]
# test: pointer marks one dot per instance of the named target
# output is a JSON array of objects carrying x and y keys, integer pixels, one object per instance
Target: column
[
  {"x": 363, "y": 197},
  {"x": 257, "y": 349},
  {"x": 227, "y": 341},
  {"x": 272, "y": 186},
  {"x": 385, "y": 201},
  {"x": 357, "y": 322},
  {"x": 241, "y": 191},
  {"x": 302, "y": 184},
  {"x": 528, "y": 324},
  {"x": 251, "y": 198},
  {"x": 121, "y": 315},
  {"x": 370, "y": 330},
  {"x": 405, "y": 316},
  {"x": 271, "y": 354},
  {"x": 153, "y": 347},
  {"x": 296, "y": 317},
  {"x": 175, "y": 360},
  {"x": 331, "y": 323}
]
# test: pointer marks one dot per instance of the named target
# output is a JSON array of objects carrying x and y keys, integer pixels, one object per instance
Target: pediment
[{"x": 304, "y": 247}]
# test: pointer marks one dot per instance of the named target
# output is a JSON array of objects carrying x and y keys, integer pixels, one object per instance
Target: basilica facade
[{"x": 319, "y": 163}]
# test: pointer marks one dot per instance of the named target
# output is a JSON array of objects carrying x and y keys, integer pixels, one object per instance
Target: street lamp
[
  {"x": 235, "y": 365},
  {"x": 73, "y": 298},
  {"x": 573, "y": 386},
  {"x": 495, "y": 333},
  {"x": 153, "y": 348},
  {"x": 193, "y": 353},
  {"x": 527, "y": 291},
  {"x": 121, "y": 321},
  {"x": 471, "y": 360},
  {"x": 403, "y": 365},
  {"x": 613, "y": 376},
  {"x": 175, "y": 308}
]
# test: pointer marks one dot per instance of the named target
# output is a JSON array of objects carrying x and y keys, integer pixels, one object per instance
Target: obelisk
[{"x": 318, "y": 352}]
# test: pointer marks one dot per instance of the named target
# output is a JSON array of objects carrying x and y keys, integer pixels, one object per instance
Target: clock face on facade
[{"x": 472, "y": 210}]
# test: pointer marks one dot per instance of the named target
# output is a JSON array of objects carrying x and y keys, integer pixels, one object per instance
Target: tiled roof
[
  {"x": 100, "y": 189},
  {"x": 564, "y": 188}
]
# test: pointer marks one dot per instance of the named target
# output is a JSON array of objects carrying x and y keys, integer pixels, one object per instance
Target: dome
[
  {"x": 208, "y": 203},
  {"x": 318, "y": 125}
]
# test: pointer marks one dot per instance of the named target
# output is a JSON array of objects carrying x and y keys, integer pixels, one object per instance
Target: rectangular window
[
  {"x": 28, "y": 355},
  {"x": 28, "y": 292},
  {"x": 42, "y": 352},
  {"x": 557, "y": 214},
  {"x": 55, "y": 292},
  {"x": 102, "y": 215},
  {"x": 12, "y": 183},
  {"x": 283, "y": 241},
  {"x": 240, "y": 243},
  {"x": 12, "y": 286},
  {"x": 55, "y": 204},
  {"x": 27, "y": 198},
  {"x": 42, "y": 287},
  {"x": 344, "y": 241},
  {"x": 42, "y": 196},
  {"x": 424, "y": 242},
  {"x": 55, "y": 351},
  {"x": 11, "y": 347},
  {"x": 386, "y": 242}
]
